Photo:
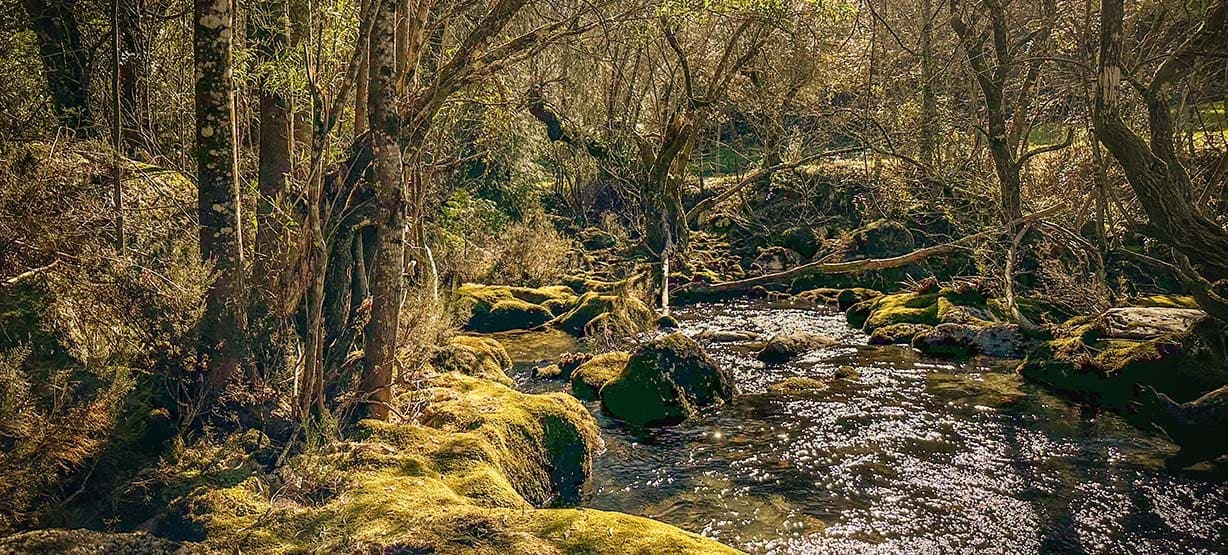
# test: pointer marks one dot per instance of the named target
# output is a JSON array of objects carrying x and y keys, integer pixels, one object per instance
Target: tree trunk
[
  {"x": 360, "y": 85},
  {"x": 385, "y": 280},
  {"x": 224, "y": 325},
  {"x": 65, "y": 62},
  {"x": 271, "y": 34}
]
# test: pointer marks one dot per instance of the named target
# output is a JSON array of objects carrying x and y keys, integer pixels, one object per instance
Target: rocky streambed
[{"x": 853, "y": 448}]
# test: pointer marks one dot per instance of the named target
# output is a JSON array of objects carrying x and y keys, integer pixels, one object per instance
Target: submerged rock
[
  {"x": 898, "y": 333},
  {"x": 588, "y": 379},
  {"x": 797, "y": 385},
  {"x": 666, "y": 381},
  {"x": 786, "y": 347}
]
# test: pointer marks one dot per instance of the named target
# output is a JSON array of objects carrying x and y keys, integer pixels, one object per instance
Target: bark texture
[
  {"x": 65, "y": 62},
  {"x": 224, "y": 325}
]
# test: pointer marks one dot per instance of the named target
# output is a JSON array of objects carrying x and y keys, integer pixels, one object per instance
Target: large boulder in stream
[
  {"x": 666, "y": 380},
  {"x": 788, "y": 346}
]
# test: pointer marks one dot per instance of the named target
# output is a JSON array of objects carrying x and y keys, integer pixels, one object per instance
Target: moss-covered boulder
[
  {"x": 593, "y": 310},
  {"x": 495, "y": 308},
  {"x": 786, "y": 347},
  {"x": 881, "y": 239},
  {"x": 853, "y": 295},
  {"x": 666, "y": 380},
  {"x": 468, "y": 478},
  {"x": 475, "y": 356},
  {"x": 897, "y": 334},
  {"x": 819, "y": 295},
  {"x": 1085, "y": 363},
  {"x": 945, "y": 306},
  {"x": 588, "y": 379}
]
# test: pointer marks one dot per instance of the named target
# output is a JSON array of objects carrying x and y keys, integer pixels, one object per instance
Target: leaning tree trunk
[
  {"x": 385, "y": 280},
  {"x": 224, "y": 325},
  {"x": 1153, "y": 170},
  {"x": 65, "y": 62}
]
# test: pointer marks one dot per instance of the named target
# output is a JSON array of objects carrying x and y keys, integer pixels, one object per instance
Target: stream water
[{"x": 908, "y": 455}]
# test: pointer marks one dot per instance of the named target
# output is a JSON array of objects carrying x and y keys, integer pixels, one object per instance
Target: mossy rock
[
  {"x": 952, "y": 306},
  {"x": 588, "y": 379},
  {"x": 1084, "y": 364},
  {"x": 786, "y": 347},
  {"x": 666, "y": 380},
  {"x": 898, "y": 333},
  {"x": 820, "y": 295},
  {"x": 475, "y": 356},
  {"x": 902, "y": 308},
  {"x": 882, "y": 239},
  {"x": 495, "y": 308},
  {"x": 466, "y": 480},
  {"x": 627, "y": 312}
]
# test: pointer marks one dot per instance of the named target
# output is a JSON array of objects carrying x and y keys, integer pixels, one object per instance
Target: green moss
[
  {"x": 465, "y": 480},
  {"x": 593, "y": 309},
  {"x": 902, "y": 308},
  {"x": 665, "y": 381},
  {"x": 588, "y": 379},
  {"x": 1166, "y": 301},
  {"x": 476, "y": 356},
  {"x": 495, "y": 308}
]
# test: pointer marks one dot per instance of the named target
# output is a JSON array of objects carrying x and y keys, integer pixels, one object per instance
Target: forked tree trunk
[
  {"x": 224, "y": 325},
  {"x": 389, "y": 256}
]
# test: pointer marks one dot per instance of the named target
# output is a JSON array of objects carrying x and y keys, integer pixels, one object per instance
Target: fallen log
[{"x": 871, "y": 264}]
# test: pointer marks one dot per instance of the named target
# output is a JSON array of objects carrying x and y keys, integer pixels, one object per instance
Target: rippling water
[{"x": 908, "y": 456}]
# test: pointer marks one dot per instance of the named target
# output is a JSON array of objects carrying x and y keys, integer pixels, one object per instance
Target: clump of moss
[
  {"x": 588, "y": 379},
  {"x": 476, "y": 356},
  {"x": 465, "y": 479},
  {"x": 495, "y": 308},
  {"x": 666, "y": 380},
  {"x": 593, "y": 310}
]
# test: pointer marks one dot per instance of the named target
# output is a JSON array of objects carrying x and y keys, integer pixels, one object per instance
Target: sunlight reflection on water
[{"x": 908, "y": 456}]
